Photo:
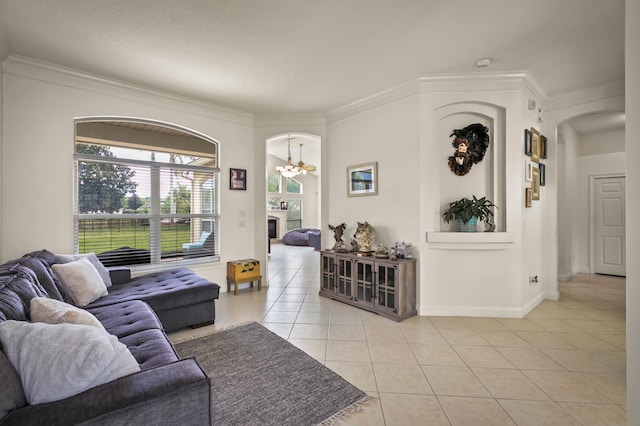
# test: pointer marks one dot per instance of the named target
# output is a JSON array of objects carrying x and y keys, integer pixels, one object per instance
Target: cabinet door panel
[{"x": 364, "y": 282}]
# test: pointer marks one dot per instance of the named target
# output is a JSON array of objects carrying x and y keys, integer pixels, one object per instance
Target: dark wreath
[{"x": 471, "y": 145}]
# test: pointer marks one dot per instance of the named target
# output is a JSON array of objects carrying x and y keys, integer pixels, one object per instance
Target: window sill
[{"x": 470, "y": 240}]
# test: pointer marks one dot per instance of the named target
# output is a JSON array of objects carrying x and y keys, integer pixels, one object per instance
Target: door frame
[{"x": 592, "y": 214}]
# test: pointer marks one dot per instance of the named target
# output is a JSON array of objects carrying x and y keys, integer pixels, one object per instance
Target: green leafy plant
[{"x": 464, "y": 209}]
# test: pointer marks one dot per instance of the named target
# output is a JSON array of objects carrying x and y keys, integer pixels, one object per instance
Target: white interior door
[{"x": 609, "y": 226}]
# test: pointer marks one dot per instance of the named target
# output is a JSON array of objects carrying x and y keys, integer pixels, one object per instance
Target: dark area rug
[{"x": 258, "y": 378}]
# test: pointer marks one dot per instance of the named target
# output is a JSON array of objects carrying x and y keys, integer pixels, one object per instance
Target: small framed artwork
[
  {"x": 528, "y": 171},
  {"x": 543, "y": 147},
  {"x": 527, "y": 142},
  {"x": 284, "y": 205},
  {"x": 238, "y": 179},
  {"x": 535, "y": 146},
  {"x": 362, "y": 179},
  {"x": 543, "y": 173},
  {"x": 528, "y": 196},
  {"x": 535, "y": 184}
]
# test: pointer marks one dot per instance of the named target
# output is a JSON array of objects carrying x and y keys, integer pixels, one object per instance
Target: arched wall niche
[{"x": 486, "y": 178}]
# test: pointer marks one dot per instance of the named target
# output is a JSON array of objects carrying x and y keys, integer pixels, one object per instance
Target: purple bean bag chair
[{"x": 298, "y": 237}]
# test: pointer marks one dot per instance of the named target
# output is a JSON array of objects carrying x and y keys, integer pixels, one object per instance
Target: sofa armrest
[
  {"x": 119, "y": 274},
  {"x": 176, "y": 393}
]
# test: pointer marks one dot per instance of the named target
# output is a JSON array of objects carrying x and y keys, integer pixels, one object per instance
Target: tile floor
[{"x": 564, "y": 364}]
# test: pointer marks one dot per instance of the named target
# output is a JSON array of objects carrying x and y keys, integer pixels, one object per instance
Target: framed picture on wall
[
  {"x": 535, "y": 184},
  {"x": 543, "y": 147},
  {"x": 527, "y": 142},
  {"x": 362, "y": 179},
  {"x": 528, "y": 171},
  {"x": 535, "y": 146},
  {"x": 528, "y": 196},
  {"x": 543, "y": 174},
  {"x": 238, "y": 179}
]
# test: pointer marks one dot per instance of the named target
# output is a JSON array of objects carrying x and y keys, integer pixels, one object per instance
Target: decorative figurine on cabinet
[
  {"x": 365, "y": 236},
  {"x": 338, "y": 231}
]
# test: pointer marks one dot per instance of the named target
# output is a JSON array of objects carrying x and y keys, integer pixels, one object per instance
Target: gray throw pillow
[{"x": 91, "y": 257}]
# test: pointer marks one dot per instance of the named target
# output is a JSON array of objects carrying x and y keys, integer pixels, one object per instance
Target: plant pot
[{"x": 471, "y": 226}]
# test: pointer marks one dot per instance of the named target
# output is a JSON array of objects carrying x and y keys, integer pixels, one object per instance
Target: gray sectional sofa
[{"x": 165, "y": 390}]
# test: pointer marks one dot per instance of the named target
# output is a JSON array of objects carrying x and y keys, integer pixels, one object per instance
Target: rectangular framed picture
[
  {"x": 238, "y": 179},
  {"x": 535, "y": 146},
  {"x": 535, "y": 184},
  {"x": 527, "y": 142},
  {"x": 543, "y": 147},
  {"x": 543, "y": 174},
  {"x": 362, "y": 179},
  {"x": 528, "y": 196},
  {"x": 528, "y": 171}
]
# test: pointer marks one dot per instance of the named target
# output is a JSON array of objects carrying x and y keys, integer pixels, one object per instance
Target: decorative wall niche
[{"x": 486, "y": 178}]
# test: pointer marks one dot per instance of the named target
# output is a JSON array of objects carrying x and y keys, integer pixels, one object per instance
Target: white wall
[
  {"x": 632, "y": 109},
  {"x": 40, "y": 105},
  {"x": 567, "y": 202}
]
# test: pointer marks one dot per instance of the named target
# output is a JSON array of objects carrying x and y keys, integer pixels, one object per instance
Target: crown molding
[
  {"x": 290, "y": 120},
  {"x": 384, "y": 97},
  {"x": 612, "y": 89},
  {"x": 25, "y": 67}
]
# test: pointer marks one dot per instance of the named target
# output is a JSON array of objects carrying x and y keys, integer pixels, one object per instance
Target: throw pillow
[
  {"x": 52, "y": 311},
  {"x": 81, "y": 280},
  {"x": 11, "y": 393},
  {"x": 104, "y": 272},
  {"x": 58, "y": 361}
]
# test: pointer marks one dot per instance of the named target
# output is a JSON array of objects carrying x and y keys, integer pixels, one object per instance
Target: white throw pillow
[
  {"x": 52, "y": 311},
  {"x": 81, "y": 280},
  {"x": 58, "y": 361},
  {"x": 91, "y": 257}
]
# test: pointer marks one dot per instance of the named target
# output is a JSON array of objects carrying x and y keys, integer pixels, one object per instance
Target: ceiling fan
[{"x": 302, "y": 165}]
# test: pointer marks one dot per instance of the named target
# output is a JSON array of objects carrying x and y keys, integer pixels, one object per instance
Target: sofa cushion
[
  {"x": 61, "y": 360},
  {"x": 16, "y": 290},
  {"x": 37, "y": 266},
  {"x": 123, "y": 319},
  {"x": 91, "y": 257},
  {"x": 163, "y": 290},
  {"x": 11, "y": 393},
  {"x": 150, "y": 348},
  {"x": 53, "y": 311},
  {"x": 81, "y": 279}
]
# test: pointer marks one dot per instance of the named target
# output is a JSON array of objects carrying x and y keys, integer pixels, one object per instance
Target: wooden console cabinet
[{"x": 386, "y": 287}]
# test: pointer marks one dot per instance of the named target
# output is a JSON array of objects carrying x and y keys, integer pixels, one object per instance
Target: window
[
  {"x": 145, "y": 195},
  {"x": 294, "y": 204}
]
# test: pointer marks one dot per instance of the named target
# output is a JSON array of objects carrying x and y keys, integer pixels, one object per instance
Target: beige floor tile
[
  {"x": 613, "y": 386},
  {"x": 392, "y": 353},
  {"x": 288, "y": 317},
  {"x": 281, "y": 329},
  {"x": 404, "y": 410},
  {"x": 566, "y": 386},
  {"x": 512, "y": 384},
  {"x": 592, "y": 326},
  {"x": 463, "y": 337},
  {"x": 482, "y": 356},
  {"x": 315, "y": 307},
  {"x": 536, "y": 413},
  {"x": 616, "y": 360},
  {"x": 417, "y": 321},
  {"x": 617, "y": 340},
  {"x": 474, "y": 411},
  {"x": 484, "y": 324},
  {"x": 347, "y": 351},
  {"x": 504, "y": 338},
  {"x": 346, "y": 318},
  {"x": 313, "y": 318},
  {"x": 291, "y": 298},
  {"x": 314, "y": 348},
  {"x": 586, "y": 341},
  {"x": 449, "y": 322},
  {"x": 545, "y": 340},
  {"x": 596, "y": 414},
  {"x": 286, "y": 306},
  {"x": 520, "y": 324},
  {"x": 443, "y": 355},
  {"x": 529, "y": 359},
  {"x": 346, "y": 332},
  {"x": 309, "y": 331},
  {"x": 359, "y": 374},
  {"x": 454, "y": 381},
  {"x": 577, "y": 360},
  {"x": 384, "y": 333},
  {"x": 401, "y": 378},
  {"x": 428, "y": 336},
  {"x": 556, "y": 325}
]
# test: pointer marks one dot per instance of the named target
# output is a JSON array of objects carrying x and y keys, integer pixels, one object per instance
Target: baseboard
[{"x": 488, "y": 312}]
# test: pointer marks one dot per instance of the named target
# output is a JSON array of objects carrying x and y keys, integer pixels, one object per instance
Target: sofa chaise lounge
[{"x": 163, "y": 389}]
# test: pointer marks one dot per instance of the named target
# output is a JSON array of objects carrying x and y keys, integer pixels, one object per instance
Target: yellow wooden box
[{"x": 243, "y": 271}]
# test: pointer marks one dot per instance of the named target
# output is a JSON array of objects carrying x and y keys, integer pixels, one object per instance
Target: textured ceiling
[{"x": 293, "y": 56}]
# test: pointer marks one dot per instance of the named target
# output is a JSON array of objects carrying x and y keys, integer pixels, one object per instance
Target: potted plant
[{"x": 467, "y": 213}]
